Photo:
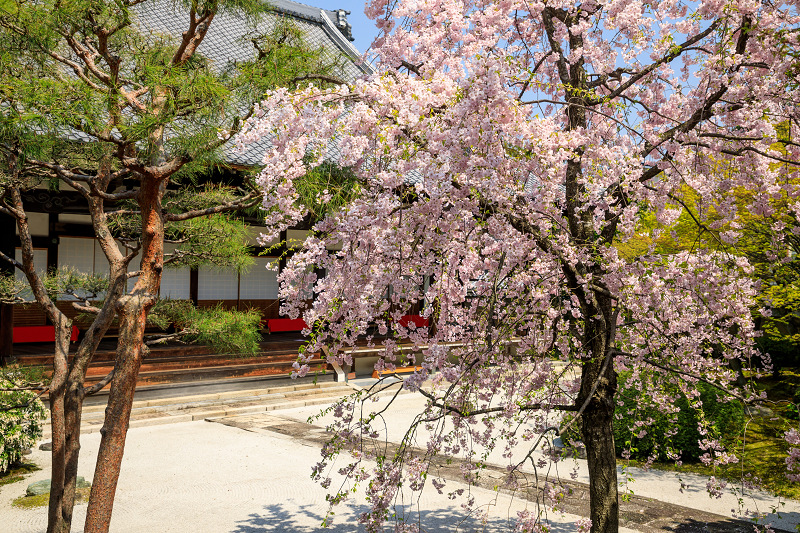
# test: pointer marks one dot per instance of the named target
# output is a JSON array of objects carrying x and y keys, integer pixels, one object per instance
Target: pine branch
[{"x": 246, "y": 202}]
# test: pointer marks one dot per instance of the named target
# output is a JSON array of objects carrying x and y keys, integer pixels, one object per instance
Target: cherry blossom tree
[{"x": 505, "y": 149}]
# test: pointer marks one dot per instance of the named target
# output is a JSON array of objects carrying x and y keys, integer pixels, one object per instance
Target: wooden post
[
  {"x": 52, "y": 242},
  {"x": 194, "y": 285},
  {"x": 238, "y": 289},
  {"x": 8, "y": 240},
  {"x": 283, "y": 250}
]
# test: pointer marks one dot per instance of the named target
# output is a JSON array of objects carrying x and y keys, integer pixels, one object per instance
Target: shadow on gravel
[
  {"x": 724, "y": 526},
  {"x": 279, "y": 518}
]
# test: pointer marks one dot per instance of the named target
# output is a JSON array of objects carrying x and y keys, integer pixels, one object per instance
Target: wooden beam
[
  {"x": 47, "y": 201},
  {"x": 38, "y": 241},
  {"x": 8, "y": 241},
  {"x": 69, "y": 229}
]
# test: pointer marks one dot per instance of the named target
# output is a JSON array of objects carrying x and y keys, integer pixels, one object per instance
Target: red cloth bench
[
  {"x": 276, "y": 325},
  {"x": 39, "y": 334},
  {"x": 417, "y": 320}
]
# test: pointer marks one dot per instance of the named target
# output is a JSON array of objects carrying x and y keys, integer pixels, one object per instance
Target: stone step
[
  {"x": 100, "y": 368},
  {"x": 200, "y": 407},
  {"x": 231, "y": 371},
  {"x": 244, "y": 401},
  {"x": 285, "y": 390}
]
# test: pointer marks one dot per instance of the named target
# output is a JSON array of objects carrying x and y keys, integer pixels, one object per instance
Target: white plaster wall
[
  {"x": 259, "y": 282},
  {"x": 255, "y": 234},
  {"x": 174, "y": 281},
  {"x": 78, "y": 253},
  {"x": 75, "y": 219},
  {"x": 38, "y": 224},
  {"x": 295, "y": 237},
  {"x": 39, "y": 261},
  {"x": 216, "y": 284}
]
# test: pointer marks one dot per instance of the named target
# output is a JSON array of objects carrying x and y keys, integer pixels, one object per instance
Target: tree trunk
[
  {"x": 73, "y": 403},
  {"x": 69, "y": 394},
  {"x": 132, "y": 310},
  {"x": 598, "y": 437},
  {"x": 118, "y": 413},
  {"x": 599, "y": 385},
  {"x": 59, "y": 516}
]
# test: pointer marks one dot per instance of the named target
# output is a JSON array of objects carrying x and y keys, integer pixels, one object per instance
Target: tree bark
[
  {"x": 59, "y": 516},
  {"x": 132, "y": 311},
  {"x": 597, "y": 423},
  {"x": 598, "y": 378},
  {"x": 69, "y": 395},
  {"x": 118, "y": 412}
]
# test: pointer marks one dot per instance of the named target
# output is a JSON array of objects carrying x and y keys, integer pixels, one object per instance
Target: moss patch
[
  {"x": 763, "y": 461},
  {"x": 17, "y": 473},
  {"x": 31, "y": 502}
]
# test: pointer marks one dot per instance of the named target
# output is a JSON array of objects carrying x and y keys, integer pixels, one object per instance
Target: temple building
[{"x": 61, "y": 227}]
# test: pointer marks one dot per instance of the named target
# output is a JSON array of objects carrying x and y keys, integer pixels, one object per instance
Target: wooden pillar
[
  {"x": 284, "y": 251},
  {"x": 52, "y": 242},
  {"x": 238, "y": 289},
  {"x": 284, "y": 247},
  {"x": 194, "y": 285},
  {"x": 8, "y": 238}
]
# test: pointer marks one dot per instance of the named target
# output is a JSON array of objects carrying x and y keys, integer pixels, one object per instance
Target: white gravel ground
[
  {"x": 207, "y": 477},
  {"x": 657, "y": 484}
]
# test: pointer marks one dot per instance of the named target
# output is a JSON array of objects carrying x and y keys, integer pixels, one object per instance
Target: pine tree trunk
[
  {"x": 132, "y": 310},
  {"x": 73, "y": 406},
  {"x": 59, "y": 516},
  {"x": 118, "y": 412},
  {"x": 69, "y": 399}
]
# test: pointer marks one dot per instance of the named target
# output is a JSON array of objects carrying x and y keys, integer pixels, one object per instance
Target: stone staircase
[
  {"x": 177, "y": 363},
  {"x": 190, "y": 407}
]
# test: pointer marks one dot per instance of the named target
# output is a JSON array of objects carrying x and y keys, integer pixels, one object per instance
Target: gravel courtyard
[{"x": 212, "y": 477}]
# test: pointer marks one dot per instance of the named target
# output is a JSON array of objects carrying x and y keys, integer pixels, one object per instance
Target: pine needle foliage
[
  {"x": 225, "y": 331},
  {"x": 326, "y": 189}
]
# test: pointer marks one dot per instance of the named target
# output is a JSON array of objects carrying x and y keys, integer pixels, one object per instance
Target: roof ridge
[{"x": 285, "y": 6}]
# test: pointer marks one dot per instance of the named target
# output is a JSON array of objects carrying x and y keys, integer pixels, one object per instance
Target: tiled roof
[
  {"x": 228, "y": 41},
  {"x": 228, "y": 38}
]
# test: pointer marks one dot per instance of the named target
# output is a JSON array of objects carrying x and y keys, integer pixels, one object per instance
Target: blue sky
[{"x": 364, "y": 29}]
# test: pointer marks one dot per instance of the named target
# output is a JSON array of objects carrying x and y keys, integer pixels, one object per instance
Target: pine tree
[{"x": 135, "y": 121}]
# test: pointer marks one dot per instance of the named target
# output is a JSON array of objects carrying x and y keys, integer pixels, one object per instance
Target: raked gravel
[{"x": 208, "y": 477}]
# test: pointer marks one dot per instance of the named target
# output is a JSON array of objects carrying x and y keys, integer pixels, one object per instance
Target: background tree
[
  {"x": 506, "y": 149},
  {"x": 136, "y": 122}
]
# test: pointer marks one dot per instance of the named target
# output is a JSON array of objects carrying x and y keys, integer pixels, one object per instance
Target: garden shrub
[
  {"x": 230, "y": 332},
  {"x": 676, "y": 432},
  {"x": 21, "y": 415}
]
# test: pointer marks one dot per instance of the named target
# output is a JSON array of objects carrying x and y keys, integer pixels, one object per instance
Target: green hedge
[
  {"x": 724, "y": 421},
  {"x": 677, "y": 432},
  {"x": 21, "y": 415}
]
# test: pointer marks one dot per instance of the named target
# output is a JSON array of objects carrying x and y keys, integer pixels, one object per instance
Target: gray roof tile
[{"x": 228, "y": 41}]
